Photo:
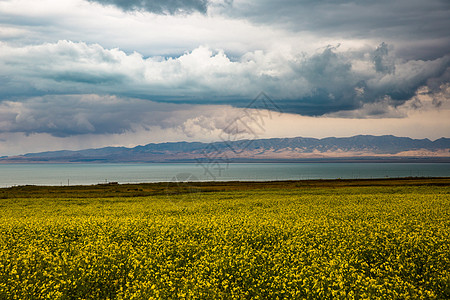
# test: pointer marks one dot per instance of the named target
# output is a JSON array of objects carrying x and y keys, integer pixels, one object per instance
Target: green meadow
[{"x": 325, "y": 239}]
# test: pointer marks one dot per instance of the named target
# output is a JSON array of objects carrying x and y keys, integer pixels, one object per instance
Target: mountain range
[{"x": 361, "y": 147}]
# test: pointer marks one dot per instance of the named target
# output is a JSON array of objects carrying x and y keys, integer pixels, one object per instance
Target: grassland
[{"x": 355, "y": 239}]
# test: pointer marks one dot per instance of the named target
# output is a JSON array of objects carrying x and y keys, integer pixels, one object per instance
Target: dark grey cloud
[
  {"x": 68, "y": 115},
  {"x": 417, "y": 23},
  {"x": 64, "y": 116},
  {"x": 381, "y": 60},
  {"x": 159, "y": 6},
  {"x": 336, "y": 84}
]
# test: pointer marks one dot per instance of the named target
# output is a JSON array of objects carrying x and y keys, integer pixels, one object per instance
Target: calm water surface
[{"x": 86, "y": 174}]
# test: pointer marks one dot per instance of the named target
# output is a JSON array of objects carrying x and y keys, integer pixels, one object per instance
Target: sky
[{"x": 78, "y": 74}]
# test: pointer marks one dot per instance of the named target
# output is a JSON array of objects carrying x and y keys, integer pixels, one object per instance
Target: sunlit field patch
[{"x": 323, "y": 241}]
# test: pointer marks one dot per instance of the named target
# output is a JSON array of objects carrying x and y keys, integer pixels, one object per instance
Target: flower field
[{"x": 320, "y": 242}]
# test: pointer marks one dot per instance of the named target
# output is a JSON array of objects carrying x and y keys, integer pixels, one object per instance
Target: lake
[{"x": 88, "y": 174}]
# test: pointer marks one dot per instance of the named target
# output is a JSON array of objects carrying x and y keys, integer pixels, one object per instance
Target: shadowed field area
[
  {"x": 163, "y": 188},
  {"x": 228, "y": 240}
]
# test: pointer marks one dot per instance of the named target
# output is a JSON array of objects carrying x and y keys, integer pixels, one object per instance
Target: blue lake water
[{"x": 87, "y": 174}]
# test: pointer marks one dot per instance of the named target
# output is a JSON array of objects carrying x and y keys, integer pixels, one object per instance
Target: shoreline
[{"x": 106, "y": 190}]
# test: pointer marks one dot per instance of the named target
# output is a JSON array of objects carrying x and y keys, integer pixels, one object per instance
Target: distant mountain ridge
[{"x": 298, "y": 148}]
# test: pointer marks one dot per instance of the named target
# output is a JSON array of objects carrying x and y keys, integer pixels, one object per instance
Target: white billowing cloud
[
  {"x": 72, "y": 67},
  {"x": 325, "y": 82}
]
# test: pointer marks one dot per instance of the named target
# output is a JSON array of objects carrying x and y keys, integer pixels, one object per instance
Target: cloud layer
[
  {"x": 68, "y": 115},
  {"x": 130, "y": 72},
  {"x": 325, "y": 82}
]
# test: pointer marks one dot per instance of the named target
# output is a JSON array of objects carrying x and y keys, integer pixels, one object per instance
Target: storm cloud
[
  {"x": 325, "y": 82},
  {"x": 159, "y": 6},
  {"x": 66, "y": 115},
  {"x": 80, "y": 69},
  {"x": 89, "y": 114},
  {"x": 409, "y": 23}
]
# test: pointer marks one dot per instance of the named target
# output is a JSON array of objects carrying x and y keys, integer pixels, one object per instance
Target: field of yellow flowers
[{"x": 361, "y": 242}]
